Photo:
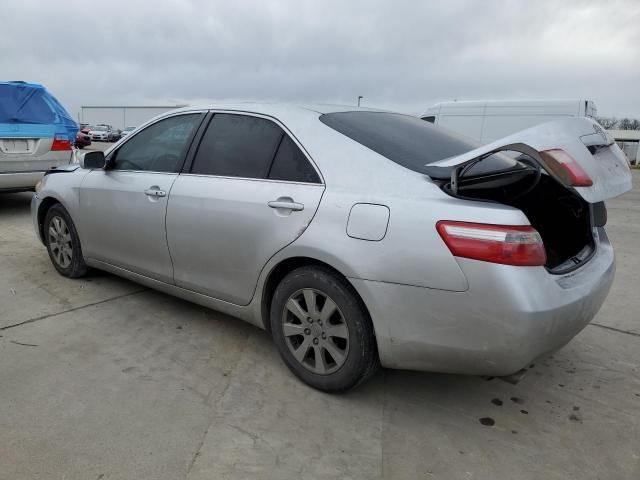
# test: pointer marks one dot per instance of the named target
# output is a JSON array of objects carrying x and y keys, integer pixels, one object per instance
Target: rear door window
[
  {"x": 291, "y": 165},
  {"x": 24, "y": 105},
  {"x": 237, "y": 146}
]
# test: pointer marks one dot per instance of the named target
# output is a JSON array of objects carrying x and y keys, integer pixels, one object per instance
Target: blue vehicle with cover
[{"x": 36, "y": 134}]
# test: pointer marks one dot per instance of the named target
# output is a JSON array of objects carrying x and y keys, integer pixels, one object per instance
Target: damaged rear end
[
  {"x": 558, "y": 174},
  {"x": 532, "y": 288}
]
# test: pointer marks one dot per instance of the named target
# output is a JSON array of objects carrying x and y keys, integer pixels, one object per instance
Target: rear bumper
[
  {"x": 509, "y": 317},
  {"x": 17, "y": 181},
  {"x": 22, "y": 172}
]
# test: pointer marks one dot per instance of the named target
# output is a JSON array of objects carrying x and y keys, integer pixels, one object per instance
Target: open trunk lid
[{"x": 584, "y": 142}]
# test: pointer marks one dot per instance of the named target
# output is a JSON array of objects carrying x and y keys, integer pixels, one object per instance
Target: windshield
[{"x": 99, "y": 128}]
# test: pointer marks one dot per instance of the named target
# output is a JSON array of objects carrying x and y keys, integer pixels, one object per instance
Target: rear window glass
[
  {"x": 405, "y": 140},
  {"x": 24, "y": 105}
]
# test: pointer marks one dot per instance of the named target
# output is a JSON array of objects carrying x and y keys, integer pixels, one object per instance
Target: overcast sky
[{"x": 403, "y": 55}]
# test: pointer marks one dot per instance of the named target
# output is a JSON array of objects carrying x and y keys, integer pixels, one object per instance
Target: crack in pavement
[
  {"x": 619, "y": 330},
  {"x": 23, "y": 344},
  {"x": 44, "y": 317},
  {"x": 213, "y": 408}
]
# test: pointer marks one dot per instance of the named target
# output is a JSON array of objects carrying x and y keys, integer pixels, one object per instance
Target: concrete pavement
[{"x": 103, "y": 379}]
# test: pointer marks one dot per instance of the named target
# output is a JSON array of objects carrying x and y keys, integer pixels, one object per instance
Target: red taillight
[
  {"x": 566, "y": 168},
  {"x": 60, "y": 143},
  {"x": 505, "y": 244}
]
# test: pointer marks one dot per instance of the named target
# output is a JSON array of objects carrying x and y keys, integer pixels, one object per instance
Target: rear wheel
[
  {"x": 322, "y": 330},
  {"x": 63, "y": 243}
]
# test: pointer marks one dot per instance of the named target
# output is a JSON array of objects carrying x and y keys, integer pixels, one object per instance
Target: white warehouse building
[{"x": 121, "y": 116}]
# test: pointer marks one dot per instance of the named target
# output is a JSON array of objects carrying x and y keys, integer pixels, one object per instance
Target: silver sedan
[{"x": 355, "y": 237}]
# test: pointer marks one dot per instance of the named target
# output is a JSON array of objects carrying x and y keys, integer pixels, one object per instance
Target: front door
[{"x": 123, "y": 208}]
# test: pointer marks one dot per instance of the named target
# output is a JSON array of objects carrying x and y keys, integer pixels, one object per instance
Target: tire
[
  {"x": 63, "y": 243},
  {"x": 332, "y": 348}
]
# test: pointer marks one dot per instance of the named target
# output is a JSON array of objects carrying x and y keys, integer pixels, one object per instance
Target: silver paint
[
  {"x": 368, "y": 222},
  {"x": 430, "y": 310}
]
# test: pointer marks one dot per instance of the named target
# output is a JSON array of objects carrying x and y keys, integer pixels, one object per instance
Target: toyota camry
[{"x": 355, "y": 237}]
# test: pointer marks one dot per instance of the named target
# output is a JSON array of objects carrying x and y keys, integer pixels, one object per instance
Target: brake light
[
  {"x": 505, "y": 244},
  {"x": 60, "y": 142},
  {"x": 566, "y": 168}
]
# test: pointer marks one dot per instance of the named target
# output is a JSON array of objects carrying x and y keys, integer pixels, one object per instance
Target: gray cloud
[{"x": 404, "y": 55}]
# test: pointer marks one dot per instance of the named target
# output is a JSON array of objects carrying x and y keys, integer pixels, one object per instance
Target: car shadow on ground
[{"x": 15, "y": 202}]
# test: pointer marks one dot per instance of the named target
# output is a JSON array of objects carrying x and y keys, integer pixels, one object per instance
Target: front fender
[{"x": 60, "y": 187}]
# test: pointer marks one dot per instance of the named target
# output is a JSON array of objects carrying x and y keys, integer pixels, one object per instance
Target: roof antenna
[{"x": 360, "y": 97}]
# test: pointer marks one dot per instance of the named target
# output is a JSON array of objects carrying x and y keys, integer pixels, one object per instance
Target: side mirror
[{"x": 91, "y": 160}]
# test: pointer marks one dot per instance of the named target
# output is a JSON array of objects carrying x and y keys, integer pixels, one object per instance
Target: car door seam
[
  {"x": 166, "y": 231},
  {"x": 300, "y": 233}
]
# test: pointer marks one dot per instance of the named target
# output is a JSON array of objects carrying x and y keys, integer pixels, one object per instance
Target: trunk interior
[{"x": 562, "y": 218}]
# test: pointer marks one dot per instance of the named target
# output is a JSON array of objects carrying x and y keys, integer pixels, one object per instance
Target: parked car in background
[
  {"x": 101, "y": 133},
  {"x": 83, "y": 138},
  {"x": 116, "y": 135},
  {"x": 488, "y": 120},
  {"x": 422, "y": 251},
  {"x": 36, "y": 134},
  {"x": 127, "y": 131}
]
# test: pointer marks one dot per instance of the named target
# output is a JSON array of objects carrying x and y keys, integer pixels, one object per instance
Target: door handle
[
  {"x": 286, "y": 204},
  {"x": 155, "y": 192}
]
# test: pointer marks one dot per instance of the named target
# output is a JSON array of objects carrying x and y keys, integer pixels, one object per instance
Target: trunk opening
[{"x": 562, "y": 217}]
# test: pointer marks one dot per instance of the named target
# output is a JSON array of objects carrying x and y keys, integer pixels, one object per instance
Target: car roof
[
  {"x": 279, "y": 109},
  {"x": 319, "y": 141}
]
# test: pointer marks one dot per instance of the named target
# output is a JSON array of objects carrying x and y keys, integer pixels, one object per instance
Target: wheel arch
[
  {"x": 283, "y": 268},
  {"x": 43, "y": 208}
]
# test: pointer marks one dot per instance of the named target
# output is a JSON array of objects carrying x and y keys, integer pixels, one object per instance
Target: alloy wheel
[
  {"x": 315, "y": 331},
  {"x": 60, "y": 242}
]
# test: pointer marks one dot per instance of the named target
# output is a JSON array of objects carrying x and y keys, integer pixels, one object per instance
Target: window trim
[
  {"x": 179, "y": 166},
  {"x": 188, "y": 165}
]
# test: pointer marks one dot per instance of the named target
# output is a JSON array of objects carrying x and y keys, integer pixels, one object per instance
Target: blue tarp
[{"x": 28, "y": 109}]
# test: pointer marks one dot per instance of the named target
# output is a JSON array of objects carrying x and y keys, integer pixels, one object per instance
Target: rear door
[
  {"x": 123, "y": 208},
  {"x": 249, "y": 192},
  {"x": 578, "y": 152}
]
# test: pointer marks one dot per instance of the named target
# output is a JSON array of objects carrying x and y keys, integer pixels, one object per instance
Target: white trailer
[{"x": 488, "y": 120}]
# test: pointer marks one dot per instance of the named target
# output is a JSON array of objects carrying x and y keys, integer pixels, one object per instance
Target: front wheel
[
  {"x": 322, "y": 330},
  {"x": 63, "y": 243}
]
